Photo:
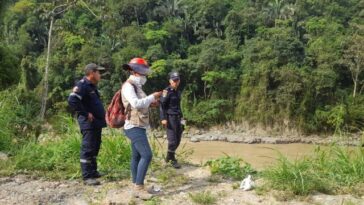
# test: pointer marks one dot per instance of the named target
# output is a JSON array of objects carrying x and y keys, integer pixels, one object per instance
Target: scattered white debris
[
  {"x": 247, "y": 184},
  {"x": 157, "y": 188}
]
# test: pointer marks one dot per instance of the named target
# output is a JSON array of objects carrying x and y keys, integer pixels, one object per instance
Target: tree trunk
[
  {"x": 205, "y": 89},
  {"x": 136, "y": 15},
  {"x": 361, "y": 89},
  {"x": 355, "y": 75},
  {"x": 46, "y": 71}
]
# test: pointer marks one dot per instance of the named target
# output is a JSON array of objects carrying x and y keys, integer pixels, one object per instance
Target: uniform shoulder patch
[
  {"x": 76, "y": 89},
  {"x": 165, "y": 92}
]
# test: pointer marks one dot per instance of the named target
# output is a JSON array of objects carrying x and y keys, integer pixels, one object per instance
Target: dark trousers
[
  {"x": 174, "y": 134},
  {"x": 90, "y": 147},
  {"x": 141, "y": 154}
]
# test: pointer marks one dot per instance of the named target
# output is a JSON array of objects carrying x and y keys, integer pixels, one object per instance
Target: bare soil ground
[{"x": 190, "y": 179}]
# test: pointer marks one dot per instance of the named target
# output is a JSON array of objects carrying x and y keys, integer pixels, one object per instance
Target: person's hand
[
  {"x": 155, "y": 104},
  {"x": 90, "y": 117},
  {"x": 164, "y": 123},
  {"x": 157, "y": 94}
]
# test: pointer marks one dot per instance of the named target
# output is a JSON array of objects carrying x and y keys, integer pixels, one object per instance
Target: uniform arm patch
[{"x": 165, "y": 93}]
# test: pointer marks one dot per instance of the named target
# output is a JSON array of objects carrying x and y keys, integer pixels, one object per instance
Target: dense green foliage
[
  {"x": 288, "y": 64},
  {"x": 17, "y": 122}
]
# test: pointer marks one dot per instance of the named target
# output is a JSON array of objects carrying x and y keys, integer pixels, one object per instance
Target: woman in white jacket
[{"x": 137, "y": 105}]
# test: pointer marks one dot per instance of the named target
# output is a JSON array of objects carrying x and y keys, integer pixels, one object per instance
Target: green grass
[
  {"x": 230, "y": 167},
  {"x": 331, "y": 170},
  {"x": 348, "y": 203},
  {"x": 59, "y": 158},
  {"x": 7, "y": 103},
  {"x": 296, "y": 176},
  {"x": 114, "y": 157},
  {"x": 153, "y": 201},
  {"x": 183, "y": 155},
  {"x": 169, "y": 177},
  {"x": 204, "y": 198}
]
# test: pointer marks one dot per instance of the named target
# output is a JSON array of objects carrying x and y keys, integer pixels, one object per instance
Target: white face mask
[
  {"x": 140, "y": 80},
  {"x": 143, "y": 80}
]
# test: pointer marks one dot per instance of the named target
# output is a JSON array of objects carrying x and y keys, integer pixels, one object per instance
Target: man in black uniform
[
  {"x": 172, "y": 117},
  {"x": 85, "y": 101}
]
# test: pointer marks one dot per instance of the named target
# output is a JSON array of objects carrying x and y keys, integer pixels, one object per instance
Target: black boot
[
  {"x": 95, "y": 173},
  {"x": 175, "y": 163},
  {"x": 87, "y": 173},
  {"x": 169, "y": 157},
  {"x": 87, "y": 170}
]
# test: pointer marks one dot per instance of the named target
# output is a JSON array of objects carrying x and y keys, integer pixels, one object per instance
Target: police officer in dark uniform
[
  {"x": 172, "y": 117},
  {"x": 85, "y": 101}
]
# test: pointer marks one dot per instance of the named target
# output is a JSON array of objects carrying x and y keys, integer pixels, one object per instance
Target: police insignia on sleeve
[
  {"x": 165, "y": 92},
  {"x": 76, "y": 89}
]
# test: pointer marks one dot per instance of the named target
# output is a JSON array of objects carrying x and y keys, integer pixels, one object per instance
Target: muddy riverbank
[{"x": 237, "y": 134}]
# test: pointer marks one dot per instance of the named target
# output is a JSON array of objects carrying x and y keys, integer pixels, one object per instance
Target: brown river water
[{"x": 258, "y": 155}]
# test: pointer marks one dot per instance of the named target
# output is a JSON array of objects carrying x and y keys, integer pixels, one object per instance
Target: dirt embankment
[{"x": 189, "y": 180}]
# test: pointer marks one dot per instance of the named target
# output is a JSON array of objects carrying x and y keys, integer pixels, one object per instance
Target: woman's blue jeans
[{"x": 141, "y": 154}]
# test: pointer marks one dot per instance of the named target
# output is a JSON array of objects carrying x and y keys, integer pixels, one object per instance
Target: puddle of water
[{"x": 258, "y": 155}]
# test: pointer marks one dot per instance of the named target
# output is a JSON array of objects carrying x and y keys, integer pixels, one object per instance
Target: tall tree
[
  {"x": 354, "y": 59},
  {"x": 57, "y": 10}
]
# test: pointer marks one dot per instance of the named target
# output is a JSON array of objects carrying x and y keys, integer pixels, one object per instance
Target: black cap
[
  {"x": 174, "y": 75},
  {"x": 93, "y": 67}
]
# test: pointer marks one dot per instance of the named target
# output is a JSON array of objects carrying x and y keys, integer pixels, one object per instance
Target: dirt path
[{"x": 176, "y": 186}]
